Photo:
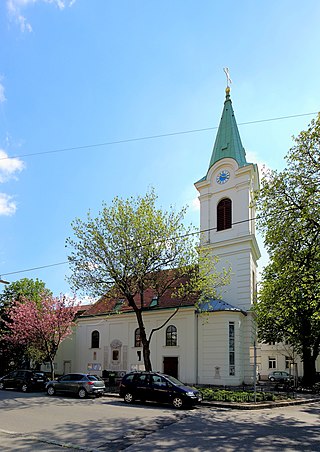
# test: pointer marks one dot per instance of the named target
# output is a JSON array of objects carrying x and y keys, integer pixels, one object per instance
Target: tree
[
  {"x": 289, "y": 218},
  {"x": 133, "y": 246},
  {"x": 14, "y": 355},
  {"x": 40, "y": 326}
]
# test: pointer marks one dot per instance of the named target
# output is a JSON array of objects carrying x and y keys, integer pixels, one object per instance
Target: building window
[
  {"x": 95, "y": 339},
  {"x": 137, "y": 338},
  {"x": 224, "y": 214},
  {"x": 171, "y": 336},
  {"x": 154, "y": 302},
  {"x": 288, "y": 362},
  {"x": 115, "y": 355},
  {"x": 118, "y": 304},
  {"x": 231, "y": 349},
  {"x": 272, "y": 363}
]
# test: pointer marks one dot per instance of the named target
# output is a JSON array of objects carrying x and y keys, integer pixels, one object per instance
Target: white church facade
[{"x": 213, "y": 348}]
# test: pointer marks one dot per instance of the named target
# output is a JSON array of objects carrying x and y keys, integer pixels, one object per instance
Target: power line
[
  {"x": 66, "y": 262},
  {"x": 150, "y": 137}
]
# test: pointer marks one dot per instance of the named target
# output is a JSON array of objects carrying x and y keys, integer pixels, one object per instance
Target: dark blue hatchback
[{"x": 157, "y": 387}]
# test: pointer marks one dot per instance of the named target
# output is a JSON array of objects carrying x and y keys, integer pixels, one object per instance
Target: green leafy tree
[
  {"x": 289, "y": 218},
  {"x": 14, "y": 355},
  {"x": 132, "y": 246}
]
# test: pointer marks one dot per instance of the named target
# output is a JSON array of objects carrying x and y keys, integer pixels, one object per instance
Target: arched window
[
  {"x": 171, "y": 335},
  {"x": 224, "y": 214},
  {"x": 137, "y": 338},
  {"x": 95, "y": 339}
]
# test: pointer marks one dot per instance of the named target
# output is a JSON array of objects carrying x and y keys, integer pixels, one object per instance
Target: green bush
[{"x": 224, "y": 395}]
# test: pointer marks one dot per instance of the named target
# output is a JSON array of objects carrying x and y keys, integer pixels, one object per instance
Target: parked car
[
  {"x": 24, "y": 380},
  {"x": 157, "y": 387},
  {"x": 280, "y": 376},
  {"x": 81, "y": 384}
]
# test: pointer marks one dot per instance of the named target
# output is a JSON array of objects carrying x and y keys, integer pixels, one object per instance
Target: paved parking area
[{"x": 35, "y": 422}]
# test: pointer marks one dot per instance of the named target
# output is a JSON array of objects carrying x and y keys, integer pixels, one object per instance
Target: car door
[
  {"x": 23, "y": 377},
  {"x": 63, "y": 383},
  {"x": 142, "y": 387},
  {"x": 10, "y": 380},
  {"x": 76, "y": 382},
  {"x": 161, "y": 392}
]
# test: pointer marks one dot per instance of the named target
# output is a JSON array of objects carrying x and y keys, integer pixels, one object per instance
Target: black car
[
  {"x": 157, "y": 387},
  {"x": 24, "y": 380},
  {"x": 79, "y": 384}
]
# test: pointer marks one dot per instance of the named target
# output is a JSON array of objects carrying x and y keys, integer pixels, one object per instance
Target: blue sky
[{"x": 78, "y": 73}]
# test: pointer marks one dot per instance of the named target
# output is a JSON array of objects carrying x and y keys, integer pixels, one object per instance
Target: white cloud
[
  {"x": 7, "y": 206},
  {"x": 9, "y": 166},
  {"x": 15, "y": 8}
]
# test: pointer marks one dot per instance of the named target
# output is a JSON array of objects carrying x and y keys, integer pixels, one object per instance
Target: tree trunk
[
  {"x": 145, "y": 342},
  {"x": 309, "y": 367},
  {"x": 146, "y": 356},
  {"x": 52, "y": 368}
]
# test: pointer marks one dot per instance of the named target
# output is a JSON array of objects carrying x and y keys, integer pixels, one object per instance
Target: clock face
[{"x": 223, "y": 177}]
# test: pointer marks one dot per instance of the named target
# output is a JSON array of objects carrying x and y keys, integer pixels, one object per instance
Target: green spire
[{"x": 228, "y": 141}]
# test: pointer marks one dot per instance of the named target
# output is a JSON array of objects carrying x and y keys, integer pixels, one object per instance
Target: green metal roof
[{"x": 228, "y": 142}]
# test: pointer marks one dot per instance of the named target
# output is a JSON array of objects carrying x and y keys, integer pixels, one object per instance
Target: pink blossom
[{"x": 42, "y": 325}]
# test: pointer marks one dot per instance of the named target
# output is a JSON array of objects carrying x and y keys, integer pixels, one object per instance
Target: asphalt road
[{"x": 36, "y": 422}]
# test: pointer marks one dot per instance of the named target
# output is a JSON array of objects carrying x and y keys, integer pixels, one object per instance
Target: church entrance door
[{"x": 170, "y": 365}]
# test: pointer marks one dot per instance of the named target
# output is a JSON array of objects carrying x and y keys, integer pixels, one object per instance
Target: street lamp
[{"x": 3, "y": 281}]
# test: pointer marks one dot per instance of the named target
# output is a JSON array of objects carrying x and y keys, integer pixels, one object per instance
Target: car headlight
[{"x": 191, "y": 394}]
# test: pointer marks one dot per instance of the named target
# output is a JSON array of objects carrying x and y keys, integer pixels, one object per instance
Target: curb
[
  {"x": 259, "y": 405},
  {"x": 245, "y": 405}
]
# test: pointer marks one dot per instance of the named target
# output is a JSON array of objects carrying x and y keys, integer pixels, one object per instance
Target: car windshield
[
  {"x": 93, "y": 378},
  {"x": 174, "y": 380}
]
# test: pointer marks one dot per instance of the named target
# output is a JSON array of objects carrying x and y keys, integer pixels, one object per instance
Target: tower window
[{"x": 224, "y": 214}]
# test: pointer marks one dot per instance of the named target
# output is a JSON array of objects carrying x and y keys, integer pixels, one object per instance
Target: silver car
[
  {"x": 80, "y": 384},
  {"x": 280, "y": 376}
]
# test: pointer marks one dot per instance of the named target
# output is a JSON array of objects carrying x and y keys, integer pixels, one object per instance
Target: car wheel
[
  {"x": 51, "y": 391},
  {"x": 128, "y": 397},
  {"x": 82, "y": 393},
  {"x": 2, "y": 385},
  {"x": 272, "y": 379},
  {"x": 177, "y": 402},
  {"x": 24, "y": 387}
]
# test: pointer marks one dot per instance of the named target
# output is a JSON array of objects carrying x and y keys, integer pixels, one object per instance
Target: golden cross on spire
[{"x": 226, "y": 71}]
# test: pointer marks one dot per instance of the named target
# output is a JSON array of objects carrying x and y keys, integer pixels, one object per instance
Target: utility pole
[{"x": 255, "y": 371}]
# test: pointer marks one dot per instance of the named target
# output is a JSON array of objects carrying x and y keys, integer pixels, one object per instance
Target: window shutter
[{"x": 224, "y": 214}]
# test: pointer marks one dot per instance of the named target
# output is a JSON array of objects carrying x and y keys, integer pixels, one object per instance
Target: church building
[{"x": 212, "y": 348}]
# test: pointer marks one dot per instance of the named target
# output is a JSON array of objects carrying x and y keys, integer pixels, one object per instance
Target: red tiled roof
[{"x": 107, "y": 305}]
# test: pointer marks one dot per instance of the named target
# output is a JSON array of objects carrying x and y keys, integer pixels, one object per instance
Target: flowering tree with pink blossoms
[{"x": 41, "y": 327}]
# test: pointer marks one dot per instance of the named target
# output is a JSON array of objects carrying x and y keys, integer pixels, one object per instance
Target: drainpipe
[{"x": 197, "y": 347}]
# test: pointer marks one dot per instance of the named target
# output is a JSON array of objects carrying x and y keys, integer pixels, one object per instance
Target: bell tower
[{"x": 227, "y": 212}]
